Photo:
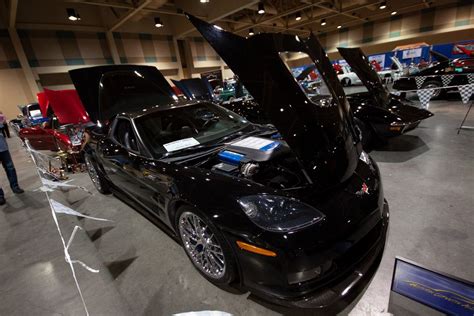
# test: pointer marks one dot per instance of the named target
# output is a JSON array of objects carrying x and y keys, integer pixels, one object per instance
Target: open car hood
[
  {"x": 398, "y": 63},
  {"x": 361, "y": 66},
  {"x": 321, "y": 132},
  {"x": 106, "y": 91},
  {"x": 195, "y": 88},
  {"x": 67, "y": 106},
  {"x": 43, "y": 103}
]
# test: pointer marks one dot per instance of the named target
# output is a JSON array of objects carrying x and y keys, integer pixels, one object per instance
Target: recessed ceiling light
[
  {"x": 339, "y": 26},
  {"x": 323, "y": 22},
  {"x": 158, "y": 22},
  {"x": 251, "y": 32},
  {"x": 298, "y": 16},
  {"x": 204, "y": 1},
  {"x": 393, "y": 12},
  {"x": 261, "y": 8},
  {"x": 72, "y": 14},
  {"x": 383, "y": 5}
]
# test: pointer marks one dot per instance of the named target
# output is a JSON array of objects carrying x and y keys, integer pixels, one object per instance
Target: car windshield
[{"x": 183, "y": 127}]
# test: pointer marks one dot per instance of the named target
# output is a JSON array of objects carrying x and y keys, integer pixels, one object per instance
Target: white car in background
[{"x": 348, "y": 77}]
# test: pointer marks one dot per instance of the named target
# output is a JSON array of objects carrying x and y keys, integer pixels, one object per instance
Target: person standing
[
  {"x": 4, "y": 125},
  {"x": 9, "y": 167}
]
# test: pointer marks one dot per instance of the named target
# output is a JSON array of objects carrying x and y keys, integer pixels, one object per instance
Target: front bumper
[{"x": 352, "y": 271}]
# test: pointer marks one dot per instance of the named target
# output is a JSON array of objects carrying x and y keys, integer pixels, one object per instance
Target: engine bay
[{"x": 269, "y": 162}]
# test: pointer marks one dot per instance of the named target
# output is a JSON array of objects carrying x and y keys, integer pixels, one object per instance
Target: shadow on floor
[
  {"x": 95, "y": 234},
  {"x": 400, "y": 149},
  {"x": 117, "y": 267}
]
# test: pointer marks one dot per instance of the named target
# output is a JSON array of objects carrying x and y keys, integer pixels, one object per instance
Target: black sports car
[
  {"x": 456, "y": 72},
  {"x": 380, "y": 114},
  {"x": 298, "y": 219}
]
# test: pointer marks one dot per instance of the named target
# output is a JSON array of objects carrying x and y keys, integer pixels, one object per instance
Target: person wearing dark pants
[{"x": 9, "y": 167}]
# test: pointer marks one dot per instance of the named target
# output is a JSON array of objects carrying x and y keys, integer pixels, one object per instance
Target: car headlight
[{"x": 278, "y": 213}]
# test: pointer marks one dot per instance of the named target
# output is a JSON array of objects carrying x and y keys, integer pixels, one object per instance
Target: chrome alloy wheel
[
  {"x": 201, "y": 245},
  {"x": 436, "y": 92},
  {"x": 93, "y": 173}
]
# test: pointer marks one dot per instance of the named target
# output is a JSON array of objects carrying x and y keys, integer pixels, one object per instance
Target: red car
[{"x": 64, "y": 110}]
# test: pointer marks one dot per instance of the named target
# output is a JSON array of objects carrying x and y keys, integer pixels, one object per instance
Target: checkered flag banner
[
  {"x": 470, "y": 78},
  {"x": 419, "y": 81},
  {"x": 466, "y": 91},
  {"x": 446, "y": 79},
  {"x": 425, "y": 96}
]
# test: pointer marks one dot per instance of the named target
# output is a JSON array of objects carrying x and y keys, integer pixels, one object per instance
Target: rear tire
[
  {"x": 205, "y": 246},
  {"x": 96, "y": 176}
]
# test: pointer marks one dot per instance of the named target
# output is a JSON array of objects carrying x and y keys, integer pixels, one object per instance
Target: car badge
[{"x": 363, "y": 190}]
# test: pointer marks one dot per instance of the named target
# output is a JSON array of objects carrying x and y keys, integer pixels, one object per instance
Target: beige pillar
[
  {"x": 113, "y": 48},
  {"x": 178, "y": 58},
  {"x": 25, "y": 66}
]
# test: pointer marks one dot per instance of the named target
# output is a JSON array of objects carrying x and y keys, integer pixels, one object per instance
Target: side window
[{"x": 123, "y": 133}]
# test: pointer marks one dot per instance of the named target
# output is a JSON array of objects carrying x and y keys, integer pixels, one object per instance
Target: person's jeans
[{"x": 9, "y": 167}]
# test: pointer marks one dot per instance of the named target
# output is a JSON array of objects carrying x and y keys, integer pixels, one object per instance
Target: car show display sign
[{"x": 440, "y": 292}]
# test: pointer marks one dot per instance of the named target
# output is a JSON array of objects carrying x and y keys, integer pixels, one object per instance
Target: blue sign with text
[{"x": 443, "y": 293}]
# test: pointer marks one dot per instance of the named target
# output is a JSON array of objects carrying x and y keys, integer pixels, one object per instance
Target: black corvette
[
  {"x": 380, "y": 114},
  {"x": 298, "y": 219},
  {"x": 456, "y": 72}
]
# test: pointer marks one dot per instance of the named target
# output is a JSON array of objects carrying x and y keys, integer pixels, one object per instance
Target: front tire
[
  {"x": 437, "y": 93},
  {"x": 97, "y": 179},
  {"x": 205, "y": 246},
  {"x": 346, "y": 82}
]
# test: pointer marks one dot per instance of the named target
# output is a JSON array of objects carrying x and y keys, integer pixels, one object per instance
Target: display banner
[
  {"x": 435, "y": 290},
  {"x": 446, "y": 79},
  {"x": 378, "y": 58},
  {"x": 466, "y": 91},
  {"x": 425, "y": 96},
  {"x": 419, "y": 81},
  {"x": 470, "y": 78},
  {"x": 412, "y": 53}
]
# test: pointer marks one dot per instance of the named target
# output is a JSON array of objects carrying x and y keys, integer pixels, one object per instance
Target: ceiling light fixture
[
  {"x": 72, "y": 14},
  {"x": 298, "y": 16},
  {"x": 251, "y": 32},
  {"x": 261, "y": 8},
  {"x": 204, "y": 1},
  {"x": 393, "y": 12},
  {"x": 158, "y": 22},
  {"x": 383, "y": 5},
  {"x": 339, "y": 26},
  {"x": 323, "y": 22}
]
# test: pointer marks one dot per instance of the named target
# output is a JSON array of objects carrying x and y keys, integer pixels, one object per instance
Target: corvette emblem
[{"x": 363, "y": 190}]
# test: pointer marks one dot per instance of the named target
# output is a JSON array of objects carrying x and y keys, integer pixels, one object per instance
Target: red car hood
[
  {"x": 67, "y": 106},
  {"x": 43, "y": 103}
]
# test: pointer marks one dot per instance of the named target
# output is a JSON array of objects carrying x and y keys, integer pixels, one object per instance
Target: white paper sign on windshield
[{"x": 180, "y": 144}]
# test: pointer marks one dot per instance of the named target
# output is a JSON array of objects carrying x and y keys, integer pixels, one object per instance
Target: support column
[
  {"x": 25, "y": 66},
  {"x": 178, "y": 58},
  {"x": 113, "y": 48}
]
